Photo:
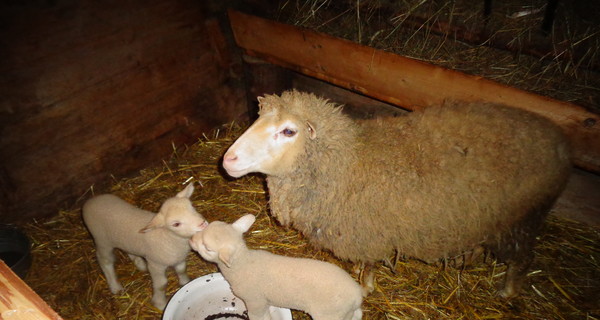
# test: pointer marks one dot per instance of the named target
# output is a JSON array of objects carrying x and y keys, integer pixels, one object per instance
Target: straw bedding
[{"x": 564, "y": 282}]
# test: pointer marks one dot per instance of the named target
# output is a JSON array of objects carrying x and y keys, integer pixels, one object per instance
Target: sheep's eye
[
  {"x": 288, "y": 132},
  {"x": 176, "y": 224}
]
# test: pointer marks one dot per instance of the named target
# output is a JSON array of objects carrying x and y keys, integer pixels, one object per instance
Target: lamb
[
  {"x": 440, "y": 183},
  {"x": 262, "y": 279},
  {"x": 154, "y": 242}
]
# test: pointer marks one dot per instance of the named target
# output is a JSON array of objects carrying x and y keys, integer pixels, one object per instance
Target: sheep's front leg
[
  {"x": 106, "y": 260},
  {"x": 159, "y": 284},
  {"x": 258, "y": 310},
  {"x": 181, "y": 274}
]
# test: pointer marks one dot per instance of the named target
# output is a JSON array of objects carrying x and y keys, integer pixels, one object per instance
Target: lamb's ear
[
  {"x": 244, "y": 223},
  {"x": 187, "y": 192},
  {"x": 226, "y": 255},
  {"x": 312, "y": 133},
  {"x": 157, "y": 222}
]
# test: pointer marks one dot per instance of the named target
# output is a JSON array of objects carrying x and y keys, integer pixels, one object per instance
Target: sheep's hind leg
[
  {"x": 181, "y": 274},
  {"x": 139, "y": 262},
  {"x": 159, "y": 284},
  {"x": 106, "y": 260},
  {"x": 516, "y": 274},
  {"x": 367, "y": 278}
]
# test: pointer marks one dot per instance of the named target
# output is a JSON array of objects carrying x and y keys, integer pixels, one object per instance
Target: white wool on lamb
[
  {"x": 154, "y": 242},
  {"x": 262, "y": 279}
]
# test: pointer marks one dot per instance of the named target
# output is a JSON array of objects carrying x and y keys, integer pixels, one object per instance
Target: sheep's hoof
[{"x": 507, "y": 293}]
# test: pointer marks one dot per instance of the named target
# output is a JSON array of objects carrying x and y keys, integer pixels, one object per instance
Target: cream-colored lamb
[
  {"x": 153, "y": 241},
  {"x": 262, "y": 279}
]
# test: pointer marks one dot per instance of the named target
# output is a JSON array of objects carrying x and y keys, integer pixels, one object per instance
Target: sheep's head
[
  {"x": 219, "y": 241},
  {"x": 272, "y": 144},
  {"x": 178, "y": 215}
]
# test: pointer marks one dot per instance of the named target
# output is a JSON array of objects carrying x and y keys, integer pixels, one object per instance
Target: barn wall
[{"x": 94, "y": 89}]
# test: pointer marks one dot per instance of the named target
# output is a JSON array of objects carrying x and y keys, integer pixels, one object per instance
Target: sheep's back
[
  {"x": 460, "y": 174},
  {"x": 429, "y": 185}
]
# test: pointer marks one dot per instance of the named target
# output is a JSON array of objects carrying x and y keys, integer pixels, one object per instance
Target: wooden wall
[{"x": 94, "y": 89}]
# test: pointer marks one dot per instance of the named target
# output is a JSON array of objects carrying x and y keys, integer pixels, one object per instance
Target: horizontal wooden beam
[{"x": 402, "y": 81}]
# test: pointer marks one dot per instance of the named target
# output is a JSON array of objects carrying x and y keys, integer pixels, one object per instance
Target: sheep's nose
[
  {"x": 203, "y": 225},
  {"x": 230, "y": 158}
]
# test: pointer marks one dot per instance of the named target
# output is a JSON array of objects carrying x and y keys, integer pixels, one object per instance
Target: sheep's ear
[
  {"x": 187, "y": 192},
  {"x": 312, "y": 133},
  {"x": 226, "y": 256},
  {"x": 244, "y": 223},
  {"x": 155, "y": 223}
]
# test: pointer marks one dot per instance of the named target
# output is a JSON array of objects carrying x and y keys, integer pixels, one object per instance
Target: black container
[{"x": 14, "y": 249}]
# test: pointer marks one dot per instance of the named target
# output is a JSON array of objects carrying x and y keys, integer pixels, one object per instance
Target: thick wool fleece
[{"x": 429, "y": 185}]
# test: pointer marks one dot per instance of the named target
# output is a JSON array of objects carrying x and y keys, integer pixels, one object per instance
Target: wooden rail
[
  {"x": 18, "y": 301},
  {"x": 404, "y": 82}
]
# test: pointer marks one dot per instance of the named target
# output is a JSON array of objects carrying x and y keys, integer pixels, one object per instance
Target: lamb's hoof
[
  {"x": 116, "y": 289},
  {"x": 159, "y": 304}
]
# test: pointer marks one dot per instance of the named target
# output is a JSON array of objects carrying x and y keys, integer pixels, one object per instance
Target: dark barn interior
[{"x": 137, "y": 97}]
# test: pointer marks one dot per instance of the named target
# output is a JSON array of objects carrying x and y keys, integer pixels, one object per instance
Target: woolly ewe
[
  {"x": 154, "y": 242},
  {"x": 439, "y": 183},
  {"x": 262, "y": 279}
]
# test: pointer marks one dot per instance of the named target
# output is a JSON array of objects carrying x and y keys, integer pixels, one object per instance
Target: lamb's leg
[
  {"x": 257, "y": 310},
  {"x": 106, "y": 260},
  {"x": 367, "y": 278},
  {"x": 159, "y": 284},
  {"x": 353, "y": 315},
  {"x": 139, "y": 262},
  {"x": 181, "y": 274}
]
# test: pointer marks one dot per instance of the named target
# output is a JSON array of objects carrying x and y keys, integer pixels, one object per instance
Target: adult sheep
[{"x": 435, "y": 184}]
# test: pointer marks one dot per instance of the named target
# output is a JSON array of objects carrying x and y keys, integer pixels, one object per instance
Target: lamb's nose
[{"x": 230, "y": 158}]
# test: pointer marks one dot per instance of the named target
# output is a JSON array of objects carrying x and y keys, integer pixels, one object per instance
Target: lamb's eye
[
  {"x": 176, "y": 224},
  {"x": 288, "y": 132}
]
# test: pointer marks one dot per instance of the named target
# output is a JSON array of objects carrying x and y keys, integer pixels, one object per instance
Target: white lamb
[
  {"x": 262, "y": 279},
  {"x": 153, "y": 241}
]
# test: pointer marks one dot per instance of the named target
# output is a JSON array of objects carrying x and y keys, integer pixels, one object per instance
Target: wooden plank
[
  {"x": 18, "y": 301},
  {"x": 404, "y": 82},
  {"x": 95, "y": 90}
]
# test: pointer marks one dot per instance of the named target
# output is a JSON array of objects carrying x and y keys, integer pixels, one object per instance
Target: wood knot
[{"x": 589, "y": 122}]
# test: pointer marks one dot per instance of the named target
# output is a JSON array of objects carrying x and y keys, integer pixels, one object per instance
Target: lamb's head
[
  {"x": 220, "y": 241},
  {"x": 273, "y": 143},
  {"x": 178, "y": 215}
]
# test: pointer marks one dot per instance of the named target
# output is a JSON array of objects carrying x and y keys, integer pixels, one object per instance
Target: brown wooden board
[
  {"x": 404, "y": 82},
  {"x": 18, "y": 301},
  {"x": 91, "y": 90}
]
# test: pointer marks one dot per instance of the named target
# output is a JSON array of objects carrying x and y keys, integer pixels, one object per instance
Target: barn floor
[{"x": 563, "y": 283}]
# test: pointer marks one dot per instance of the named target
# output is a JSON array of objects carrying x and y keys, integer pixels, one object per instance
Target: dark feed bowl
[{"x": 14, "y": 250}]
